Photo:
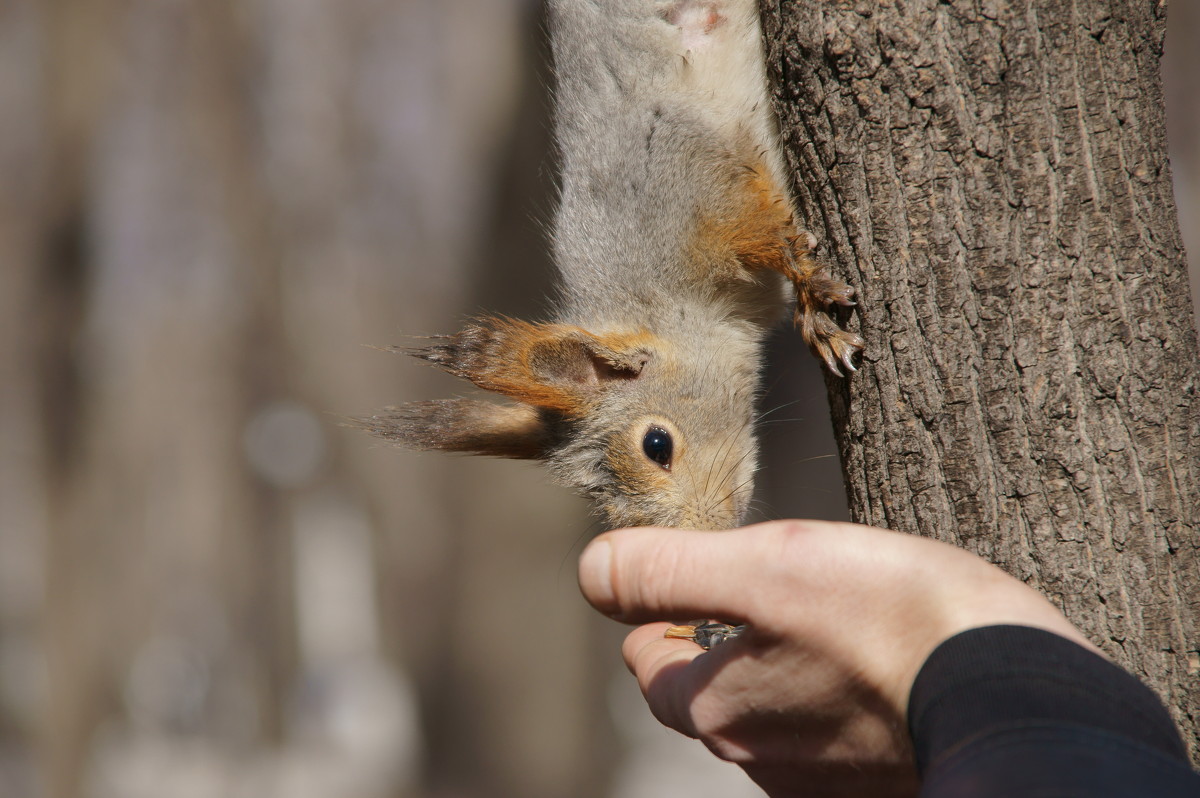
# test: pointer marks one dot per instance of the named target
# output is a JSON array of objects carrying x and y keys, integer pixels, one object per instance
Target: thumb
[{"x": 649, "y": 573}]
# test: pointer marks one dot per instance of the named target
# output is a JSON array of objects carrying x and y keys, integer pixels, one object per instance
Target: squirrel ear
[
  {"x": 463, "y": 425},
  {"x": 553, "y": 366}
]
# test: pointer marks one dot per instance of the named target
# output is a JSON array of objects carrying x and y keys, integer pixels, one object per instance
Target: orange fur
[
  {"x": 761, "y": 232},
  {"x": 552, "y": 366},
  {"x": 758, "y": 233}
]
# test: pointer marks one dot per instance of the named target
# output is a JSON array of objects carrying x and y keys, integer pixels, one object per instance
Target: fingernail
[{"x": 595, "y": 576}]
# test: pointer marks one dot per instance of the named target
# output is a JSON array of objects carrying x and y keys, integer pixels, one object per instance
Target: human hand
[{"x": 811, "y": 699}]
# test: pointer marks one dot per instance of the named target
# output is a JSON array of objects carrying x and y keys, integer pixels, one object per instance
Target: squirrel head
[{"x": 653, "y": 433}]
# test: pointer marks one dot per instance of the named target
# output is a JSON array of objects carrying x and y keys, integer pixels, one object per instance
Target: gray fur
[{"x": 662, "y": 112}]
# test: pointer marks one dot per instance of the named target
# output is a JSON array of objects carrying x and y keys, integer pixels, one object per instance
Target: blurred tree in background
[{"x": 209, "y": 588}]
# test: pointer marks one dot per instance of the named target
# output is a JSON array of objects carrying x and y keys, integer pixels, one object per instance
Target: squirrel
[{"x": 677, "y": 249}]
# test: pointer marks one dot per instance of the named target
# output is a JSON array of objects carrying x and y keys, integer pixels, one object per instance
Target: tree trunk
[{"x": 992, "y": 176}]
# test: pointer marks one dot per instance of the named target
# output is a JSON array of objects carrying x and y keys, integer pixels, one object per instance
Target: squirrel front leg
[
  {"x": 759, "y": 233},
  {"x": 816, "y": 295}
]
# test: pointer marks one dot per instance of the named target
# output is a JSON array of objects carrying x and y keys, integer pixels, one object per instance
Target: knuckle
[
  {"x": 724, "y": 749},
  {"x": 791, "y": 534},
  {"x": 710, "y": 724}
]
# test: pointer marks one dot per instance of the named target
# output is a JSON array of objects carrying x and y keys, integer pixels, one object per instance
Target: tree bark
[{"x": 992, "y": 177}]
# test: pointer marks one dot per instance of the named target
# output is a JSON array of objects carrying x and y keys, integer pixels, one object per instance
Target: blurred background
[{"x": 210, "y": 210}]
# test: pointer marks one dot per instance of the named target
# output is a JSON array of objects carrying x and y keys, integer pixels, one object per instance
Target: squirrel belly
[{"x": 677, "y": 249}]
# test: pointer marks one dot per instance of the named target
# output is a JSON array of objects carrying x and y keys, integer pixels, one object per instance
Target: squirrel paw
[
  {"x": 827, "y": 340},
  {"x": 825, "y": 291},
  {"x": 816, "y": 295}
]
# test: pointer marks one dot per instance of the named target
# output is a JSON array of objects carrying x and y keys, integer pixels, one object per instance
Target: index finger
[{"x": 665, "y": 673}]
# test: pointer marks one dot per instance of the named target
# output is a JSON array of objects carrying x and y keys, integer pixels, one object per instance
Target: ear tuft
[
  {"x": 552, "y": 366},
  {"x": 463, "y": 425},
  {"x": 467, "y": 352}
]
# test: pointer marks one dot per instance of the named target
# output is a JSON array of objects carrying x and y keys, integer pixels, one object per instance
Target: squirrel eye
[{"x": 657, "y": 445}]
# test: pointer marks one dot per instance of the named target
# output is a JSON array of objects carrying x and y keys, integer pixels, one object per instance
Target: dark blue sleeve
[{"x": 1013, "y": 711}]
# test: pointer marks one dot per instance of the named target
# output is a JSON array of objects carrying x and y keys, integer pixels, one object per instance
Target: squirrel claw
[
  {"x": 816, "y": 295},
  {"x": 835, "y": 293},
  {"x": 837, "y": 347},
  {"x": 829, "y": 342},
  {"x": 849, "y": 363},
  {"x": 839, "y": 352}
]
